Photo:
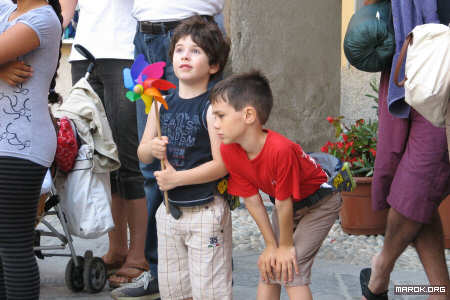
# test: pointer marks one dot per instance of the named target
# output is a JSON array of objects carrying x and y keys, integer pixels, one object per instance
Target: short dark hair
[
  {"x": 207, "y": 35},
  {"x": 246, "y": 89}
]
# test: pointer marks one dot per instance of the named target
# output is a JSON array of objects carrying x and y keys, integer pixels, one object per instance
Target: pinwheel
[{"x": 143, "y": 81}]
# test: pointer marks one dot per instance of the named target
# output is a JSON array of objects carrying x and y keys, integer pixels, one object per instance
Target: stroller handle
[
  {"x": 85, "y": 52},
  {"x": 88, "y": 55}
]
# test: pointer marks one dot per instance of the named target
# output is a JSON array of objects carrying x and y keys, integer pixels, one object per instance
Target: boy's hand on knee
[
  {"x": 286, "y": 263},
  {"x": 159, "y": 147},
  {"x": 266, "y": 263},
  {"x": 167, "y": 179}
]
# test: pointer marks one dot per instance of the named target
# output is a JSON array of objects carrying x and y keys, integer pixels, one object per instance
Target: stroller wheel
[
  {"x": 94, "y": 274},
  {"x": 74, "y": 275}
]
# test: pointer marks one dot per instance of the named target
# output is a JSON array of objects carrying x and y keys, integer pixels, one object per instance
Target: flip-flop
[
  {"x": 364, "y": 277},
  {"x": 124, "y": 276},
  {"x": 111, "y": 268}
]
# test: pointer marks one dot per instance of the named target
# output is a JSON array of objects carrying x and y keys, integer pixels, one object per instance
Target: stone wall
[{"x": 297, "y": 45}]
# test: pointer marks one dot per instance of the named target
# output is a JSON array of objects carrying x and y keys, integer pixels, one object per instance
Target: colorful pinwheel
[{"x": 144, "y": 82}]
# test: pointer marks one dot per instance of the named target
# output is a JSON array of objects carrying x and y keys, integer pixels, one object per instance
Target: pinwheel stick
[{"x": 163, "y": 165}]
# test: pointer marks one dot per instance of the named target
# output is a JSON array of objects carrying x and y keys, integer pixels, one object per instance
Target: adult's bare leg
[
  {"x": 137, "y": 222},
  {"x": 135, "y": 262},
  {"x": 118, "y": 240},
  {"x": 430, "y": 247},
  {"x": 400, "y": 232}
]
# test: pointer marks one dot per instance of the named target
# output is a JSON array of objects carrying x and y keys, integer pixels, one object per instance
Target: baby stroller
[{"x": 82, "y": 272}]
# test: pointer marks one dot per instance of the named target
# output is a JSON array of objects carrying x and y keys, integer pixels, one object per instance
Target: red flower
[
  {"x": 355, "y": 143},
  {"x": 359, "y": 122},
  {"x": 348, "y": 145}
]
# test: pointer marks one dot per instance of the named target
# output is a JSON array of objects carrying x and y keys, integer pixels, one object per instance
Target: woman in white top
[
  {"x": 30, "y": 34},
  {"x": 106, "y": 28}
]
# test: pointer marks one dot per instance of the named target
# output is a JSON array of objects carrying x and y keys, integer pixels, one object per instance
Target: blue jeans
[{"x": 154, "y": 47}]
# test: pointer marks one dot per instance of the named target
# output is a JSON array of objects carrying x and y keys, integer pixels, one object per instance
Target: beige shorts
[
  {"x": 194, "y": 252},
  {"x": 311, "y": 227}
]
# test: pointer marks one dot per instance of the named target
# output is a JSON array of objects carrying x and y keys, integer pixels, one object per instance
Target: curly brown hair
[{"x": 207, "y": 35}]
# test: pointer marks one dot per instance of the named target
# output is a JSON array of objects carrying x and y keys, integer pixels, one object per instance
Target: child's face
[
  {"x": 229, "y": 123},
  {"x": 190, "y": 62}
]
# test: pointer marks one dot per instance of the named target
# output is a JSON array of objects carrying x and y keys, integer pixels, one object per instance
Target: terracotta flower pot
[
  {"x": 444, "y": 211},
  {"x": 357, "y": 216}
]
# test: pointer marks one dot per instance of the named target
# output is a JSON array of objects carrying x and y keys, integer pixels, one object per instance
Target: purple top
[{"x": 406, "y": 14}]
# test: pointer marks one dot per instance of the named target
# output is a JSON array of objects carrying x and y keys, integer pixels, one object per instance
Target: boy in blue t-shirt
[{"x": 194, "y": 240}]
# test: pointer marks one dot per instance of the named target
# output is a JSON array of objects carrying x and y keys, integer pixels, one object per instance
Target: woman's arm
[
  {"x": 15, "y": 72},
  {"x": 67, "y": 10},
  {"x": 209, "y": 171},
  {"x": 16, "y": 41}
]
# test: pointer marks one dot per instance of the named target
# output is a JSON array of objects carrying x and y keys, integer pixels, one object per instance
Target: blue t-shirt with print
[{"x": 189, "y": 145}]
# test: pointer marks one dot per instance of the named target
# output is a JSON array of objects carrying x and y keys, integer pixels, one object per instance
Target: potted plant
[{"x": 357, "y": 144}]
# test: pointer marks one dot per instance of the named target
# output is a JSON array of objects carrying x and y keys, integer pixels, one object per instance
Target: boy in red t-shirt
[{"x": 261, "y": 159}]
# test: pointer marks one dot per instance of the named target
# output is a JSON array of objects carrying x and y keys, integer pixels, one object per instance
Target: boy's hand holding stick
[{"x": 163, "y": 165}]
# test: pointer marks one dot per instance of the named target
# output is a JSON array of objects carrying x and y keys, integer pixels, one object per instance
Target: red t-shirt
[{"x": 282, "y": 169}]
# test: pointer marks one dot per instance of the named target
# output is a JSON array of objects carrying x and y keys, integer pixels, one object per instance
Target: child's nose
[{"x": 185, "y": 55}]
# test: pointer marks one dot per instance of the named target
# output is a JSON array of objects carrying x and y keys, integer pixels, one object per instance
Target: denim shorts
[{"x": 106, "y": 79}]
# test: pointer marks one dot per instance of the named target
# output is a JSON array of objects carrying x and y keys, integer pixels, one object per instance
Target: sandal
[
  {"x": 364, "y": 277},
  {"x": 125, "y": 275},
  {"x": 113, "y": 267}
]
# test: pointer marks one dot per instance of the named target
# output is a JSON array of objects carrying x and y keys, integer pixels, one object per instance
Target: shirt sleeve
[
  {"x": 238, "y": 184},
  {"x": 44, "y": 23},
  {"x": 287, "y": 174},
  {"x": 204, "y": 115}
]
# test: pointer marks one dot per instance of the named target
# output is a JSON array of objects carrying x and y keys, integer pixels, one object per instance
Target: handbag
[
  {"x": 369, "y": 42},
  {"x": 427, "y": 71},
  {"x": 66, "y": 145},
  {"x": 86, "y": 197}
]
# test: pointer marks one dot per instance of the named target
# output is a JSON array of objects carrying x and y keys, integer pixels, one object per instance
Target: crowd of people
[{"x": 214, "y": 128}]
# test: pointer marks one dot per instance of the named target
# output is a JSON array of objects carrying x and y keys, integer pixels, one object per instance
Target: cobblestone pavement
[{"x": 334, "y": 275}]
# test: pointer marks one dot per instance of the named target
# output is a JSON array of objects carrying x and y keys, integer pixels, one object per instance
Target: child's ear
[
  {"x": 213, "y": 69},
  {"x": 249, "y": 114}
]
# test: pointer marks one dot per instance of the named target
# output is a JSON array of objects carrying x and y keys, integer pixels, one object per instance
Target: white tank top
[
  {"x": 163, "y": 10},
  {"x": 106, "y": 28}
]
